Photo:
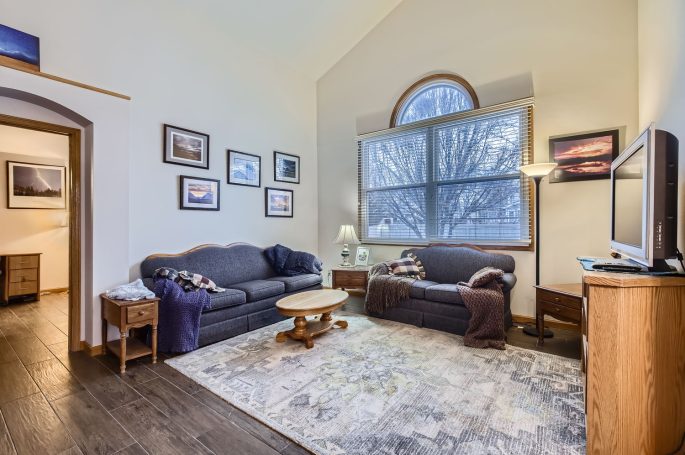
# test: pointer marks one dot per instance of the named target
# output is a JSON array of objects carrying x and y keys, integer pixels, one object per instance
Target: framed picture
[
  {"x": 362, "y": 256},
  {"x": 278, "y": 202},
  {"x": 186, "y": 147},
  {"x": 19, "y": 49},
  {"x": 585, "y": 156},
  {"x": 199, "y": 194},
  {"x": 286, "y": 168},
  {"x": 244, "y": 168},
  {"x": 36, "y": 186}
]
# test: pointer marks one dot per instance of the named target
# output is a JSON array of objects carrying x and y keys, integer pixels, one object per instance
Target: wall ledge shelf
[{"x": 67, "y": 81}]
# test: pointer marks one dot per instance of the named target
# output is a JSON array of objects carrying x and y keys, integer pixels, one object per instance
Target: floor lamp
[{"x": 537, "y": 172}]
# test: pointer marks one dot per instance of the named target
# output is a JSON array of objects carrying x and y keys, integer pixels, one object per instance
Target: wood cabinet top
[
  {"x": 572, "y": 289},
  {"x": 630, "y": 280}
]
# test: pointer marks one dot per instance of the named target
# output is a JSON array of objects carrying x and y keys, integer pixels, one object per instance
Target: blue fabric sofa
[
  {"x": 435, "y": 302},
  {"x": 252, "y": 287}
]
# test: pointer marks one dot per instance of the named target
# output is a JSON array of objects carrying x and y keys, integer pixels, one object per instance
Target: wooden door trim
[{"x": 74, "y": 176}]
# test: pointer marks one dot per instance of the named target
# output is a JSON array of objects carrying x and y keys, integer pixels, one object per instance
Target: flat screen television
[{"x": 644, "y": 200}]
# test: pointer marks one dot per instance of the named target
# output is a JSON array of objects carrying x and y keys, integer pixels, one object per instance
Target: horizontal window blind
[{"x": 449, "y": 179}]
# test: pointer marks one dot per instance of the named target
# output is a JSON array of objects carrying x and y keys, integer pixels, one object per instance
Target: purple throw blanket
[
  {"x": 484, "y": 298},
  {"x": 179, "y": 316},
  {"x": 287, "y": 262}
]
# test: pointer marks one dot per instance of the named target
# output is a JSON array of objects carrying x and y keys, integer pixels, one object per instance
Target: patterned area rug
[{"x": 381, "y": 387}]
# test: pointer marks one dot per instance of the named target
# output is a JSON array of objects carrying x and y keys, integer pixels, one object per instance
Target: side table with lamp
[{"x": 346, "y": 275}]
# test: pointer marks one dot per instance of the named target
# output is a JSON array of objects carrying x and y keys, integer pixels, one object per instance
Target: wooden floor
[{"x": 54, "y": 402}]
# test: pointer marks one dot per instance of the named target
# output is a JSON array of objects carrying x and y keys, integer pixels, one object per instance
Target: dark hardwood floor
[{"x": 56, "y": 402}]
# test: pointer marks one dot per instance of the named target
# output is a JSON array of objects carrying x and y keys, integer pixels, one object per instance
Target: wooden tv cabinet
[{"x": 634, "y": 356}]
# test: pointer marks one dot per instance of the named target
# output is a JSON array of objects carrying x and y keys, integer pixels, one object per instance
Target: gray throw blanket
[
  {"x": 287, "y": 262},
  {"x": 484, "y": 298},
  {"x": 385, "y": 290}
]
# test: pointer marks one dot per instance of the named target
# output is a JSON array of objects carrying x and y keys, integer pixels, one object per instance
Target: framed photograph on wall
[
  {"x": 278, "y": 202},
  {"x": 286, "y": 167},
  {"x": 584, "y": 156},
  {"x": 199, "y": 193},
  {"x": 244, "y": 168},
  {"x": 19, "y": 49},
  {"x": 36, "y": 186},
  {"x": 186, "y": 147},
  {"x": 362, "y": 256}
]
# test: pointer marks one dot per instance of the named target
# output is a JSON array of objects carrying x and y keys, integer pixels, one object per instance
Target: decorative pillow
[
  {"x": 188, "y": 281},
  {"x": 484, "y": 276},
  {"x": 406, "y": 267}
]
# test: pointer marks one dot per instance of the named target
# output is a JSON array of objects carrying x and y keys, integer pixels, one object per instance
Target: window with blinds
[{"x": 449, "y": 179}]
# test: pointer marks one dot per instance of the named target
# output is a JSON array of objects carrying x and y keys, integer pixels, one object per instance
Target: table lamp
[
  {"x": 537, "y": 172},
  {"x": 346, "y": 236}
]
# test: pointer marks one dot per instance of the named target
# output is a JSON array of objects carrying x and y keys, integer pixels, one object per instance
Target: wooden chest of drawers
[{"x": 20, "y": 276}]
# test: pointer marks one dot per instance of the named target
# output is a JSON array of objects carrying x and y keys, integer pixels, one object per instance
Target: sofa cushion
[
  {"x": 418, "y": 288},
  {"x": 228, "y": 298},
  {"x": 260, "y": 289},
  {"x": 297, "y": 282},
  {"x": 446, "y": 293}
]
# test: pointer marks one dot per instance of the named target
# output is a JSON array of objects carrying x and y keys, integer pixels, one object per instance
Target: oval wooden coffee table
[{"x": 311, "y": 303}]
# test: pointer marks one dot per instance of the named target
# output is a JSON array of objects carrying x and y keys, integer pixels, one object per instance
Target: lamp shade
[
  {"x": 347, "y": 235},
  {"x": 538, "y": 169}
]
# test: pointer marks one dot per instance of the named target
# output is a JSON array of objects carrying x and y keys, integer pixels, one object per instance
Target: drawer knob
[
  {"x": 557, "y": 299},
  {"x": 141, "y": 312}
]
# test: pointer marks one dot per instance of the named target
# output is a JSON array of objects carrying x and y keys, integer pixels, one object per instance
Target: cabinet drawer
[
  {"x": 23, "y": 262},
  {"x": 561, "y": 312},
  {"x": 350, "y": 279},
  {"x": 559, "y": 299},
  {"x": 23, "y": 288},
  {"x": 139, "y": 313},
  {"x": 20, "y": 275}
]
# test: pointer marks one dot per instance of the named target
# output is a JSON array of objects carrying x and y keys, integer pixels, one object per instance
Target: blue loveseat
[
  {"x": 252, "y": 287},
  {"x": 435, "y": 302}
]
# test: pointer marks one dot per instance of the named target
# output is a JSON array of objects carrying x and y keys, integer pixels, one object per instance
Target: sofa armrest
[
  {"x": 149, "y": 283},
  {"x": 508, "y": 281}
]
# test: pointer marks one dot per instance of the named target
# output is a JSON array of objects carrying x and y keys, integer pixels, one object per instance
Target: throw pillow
[
  {"x": 405, "y": 267},
  {"x": 484, "y": 276}
]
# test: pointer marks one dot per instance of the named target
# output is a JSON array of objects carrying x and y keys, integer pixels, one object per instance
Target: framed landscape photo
[
  {"x": 244, "y": 168},
  {"x": 362, "y": 256},
  {"x": 585, "y": 156},
  {"x": 199, "y": 193},
  {"x": 286, "y": 167},
  {"x": 278, "y": 202},
  {"x": 186, "y": 147},
  {"x": 35, "y": 186},
  {"x": 19, "y": 49}
]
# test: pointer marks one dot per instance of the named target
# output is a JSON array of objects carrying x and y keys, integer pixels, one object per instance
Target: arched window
[{"x": 433, "y": 96}]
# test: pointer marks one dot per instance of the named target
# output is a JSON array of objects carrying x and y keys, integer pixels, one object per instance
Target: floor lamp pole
[{"x": 537, "y": 180}]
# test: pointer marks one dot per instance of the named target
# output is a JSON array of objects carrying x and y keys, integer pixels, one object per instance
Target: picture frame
[
  {"x": 279, "y": 202},
  {"x": 286, "y": 167},
  {"x": 243, "y": 168},
  {"x": 185, "y": 147},
  {"x": 198, "y": 193},
  {"x": 19, "y": 49},
  {"x": 583, "y": 156},
  {"x": 36, "y": 186},
  {"x": 362, "y": 256}
]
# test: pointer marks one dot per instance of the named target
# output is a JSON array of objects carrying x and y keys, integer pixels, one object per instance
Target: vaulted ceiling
[{"x": 311, "y": 35}]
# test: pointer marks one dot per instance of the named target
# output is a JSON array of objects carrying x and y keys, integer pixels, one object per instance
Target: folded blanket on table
[
  {"x": 287, "y": 262},
  {"x": 484, "y": 298},
  {"x": 132, "y": 291},
  {"x": 179, "y": 316},
  {"x": 188, "y": 281}
]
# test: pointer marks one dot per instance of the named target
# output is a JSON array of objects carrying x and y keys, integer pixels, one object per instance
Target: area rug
[{"x": 381, "y": 387}]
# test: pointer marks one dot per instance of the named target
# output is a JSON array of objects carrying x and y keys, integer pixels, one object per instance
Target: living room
[{"x": 231, "y": 123}]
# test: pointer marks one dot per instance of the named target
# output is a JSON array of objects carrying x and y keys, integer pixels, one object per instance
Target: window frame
[
  {"x": 526, "y": 157},
  {"x": 428, "y": 80}
]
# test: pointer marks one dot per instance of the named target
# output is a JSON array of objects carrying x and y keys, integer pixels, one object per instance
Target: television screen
[{"x": 629, "y": 200}]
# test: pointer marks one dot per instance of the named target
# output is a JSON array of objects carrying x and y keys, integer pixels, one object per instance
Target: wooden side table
[
  {"x": 561, "y": 301},
  {"x": 20, "y": 277},
  {"x": 351, "y": 277},
  {"x": 127, "y": 315}
]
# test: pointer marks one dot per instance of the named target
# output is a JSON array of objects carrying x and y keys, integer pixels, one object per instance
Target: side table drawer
[
  {"x": 21, "y": 275},
  {"x": 139, "y": 313},
  {"x": 23, "y": 262},
  {"x": 23, "y": 288},
  {"x": 350, "y": 278},
  {"x": 561, "y": 312},
  {"x": 559, "y": 299}
]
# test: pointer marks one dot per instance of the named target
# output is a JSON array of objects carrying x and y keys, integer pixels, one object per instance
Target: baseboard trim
[
  {"x": 91, "y": 350},
  {"x": 519, "y": 319},
  {"x": 53, "y": 291}
]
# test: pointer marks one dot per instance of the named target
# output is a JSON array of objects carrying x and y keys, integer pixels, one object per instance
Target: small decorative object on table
[
  {"x": 362, "y": 256},
  {"x": 286, "y": 167},
  {"x": 350, "y": 278},
  {"x": 346, "y": 236},
  {"x": 186, "y": 147},
  {"x": 244, "y": 168},
  {"x": 585, "y": 156},
  {"x": 561, "y": 301},
  {"x": 278, "y": 203},
  {"x": 126, "y": 315},
  {"x": 199, "y": 193}
]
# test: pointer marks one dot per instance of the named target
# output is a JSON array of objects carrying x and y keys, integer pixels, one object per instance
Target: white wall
[
  {"x": 35, "y": 230},
  {"x": 579, "y": 60},
  {"x": 662, "y": 78},
  {"x": 179, "y": 69}
]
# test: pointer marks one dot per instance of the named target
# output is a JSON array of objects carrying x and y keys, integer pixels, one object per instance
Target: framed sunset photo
[
  {"x": 278, "y": 202},
  {"x": 186, "y": 147},
  {"x": 586, "y": 156},
  {"x": 199, "y": 194}
]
